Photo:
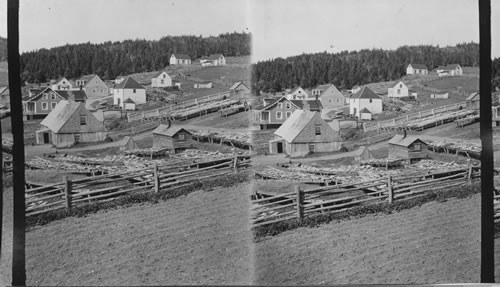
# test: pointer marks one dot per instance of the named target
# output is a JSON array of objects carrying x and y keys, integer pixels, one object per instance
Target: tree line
[
  {"x": 347, "y": 69},
  {"x": 111, "y": 59}
]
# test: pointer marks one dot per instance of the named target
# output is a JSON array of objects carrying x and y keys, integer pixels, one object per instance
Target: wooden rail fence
[
  {"x": 70, "y": 193},
  {"x": 298, "y": 203}
]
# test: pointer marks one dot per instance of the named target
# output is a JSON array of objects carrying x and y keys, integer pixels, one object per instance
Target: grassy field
[
  {"x": 433, "y": 243},
  {"x": 226, "y": 73},
  {"x": 449, "y": 84},
  {"x": 202, "y": 238}
]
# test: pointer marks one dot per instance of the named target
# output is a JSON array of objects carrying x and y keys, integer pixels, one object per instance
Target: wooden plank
[
  {"x": 329, "y": 187},
  {"x": 257, "y": 220},
  {"x": 45, "y": 210},
  {"x": 93, "y": 198},
  {"x": 35, "y": 199},
  {"x": 284, "y": 195},
  {"x": 343, "y": 204},
  {"x": 426, "y": 184},
  {"x": 400, "y": 195},
  {"x": 334, "y": 191},
  {"x": 60, "y": 202},
  {"x": 397, "y": 186},
  {"x": 273, "y": 208},
  {"x": 44, "y": 187},
  {"x": 270, "y": 204}
]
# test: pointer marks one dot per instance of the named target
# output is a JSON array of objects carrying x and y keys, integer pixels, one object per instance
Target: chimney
[{"x": 305, "y": 105}]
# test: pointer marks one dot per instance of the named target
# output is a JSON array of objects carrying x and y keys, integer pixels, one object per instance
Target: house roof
[
  {"x": 214, "y": 56},
  {"x": 365, "y": 93},
  {"x": 86, "y": 78},
  {"x": 181, "y": 56},
  {"x": 294, "y": 125},
  {"x": 313, "y": 104},
  {"x": 365, "y": 111},
  {"x": 396, "y": 84},
  {"x": 128, "y": 101},
  {"x": 129, "y": 83},
  {"x": 400, "y": 140},
  {"x": 159, "y": 73},
  {"x": 448, "y": 67},
  {"x": 322, "y": 87},
  {"x": 472, "y": 96},
  {"x": 236, "y": 85},
  {"x": 40, "y": 92},
  {"x": 418, "y": 66},
  {"x": 58, "y": 117},
  {"x": 168, "y": 131},
  {"x": 79, "y": 95}
]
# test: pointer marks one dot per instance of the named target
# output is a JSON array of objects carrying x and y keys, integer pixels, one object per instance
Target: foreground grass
[
  {"x": 127, "y": 200},
  {"x": 361, "y": 211}
]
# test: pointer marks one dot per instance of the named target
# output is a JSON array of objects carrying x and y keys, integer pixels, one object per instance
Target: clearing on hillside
[
  {"x": 433, "y": 243},
  {"x": 202, "y": 238}
]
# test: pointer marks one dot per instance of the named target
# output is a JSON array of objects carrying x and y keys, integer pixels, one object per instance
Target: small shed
[
  {"x": 173, "y": 138},
  {"x": 363, "y": 153},
  {"x": 365, "y": 114},
  {"x": 473, "y": 101},
  {"x": 409, "y": 148},
  {"x": 128, "y": 143},
  {"x": 440, "y": 96},
  {"x": 204, "y": 85},
  {"x": 239, "y": 88},
  {"x": 129, "y": 105}
]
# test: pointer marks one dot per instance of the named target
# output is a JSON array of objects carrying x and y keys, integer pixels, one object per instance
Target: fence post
[
  {"x": 300, "y": 200},
  {"x": 469, "y": 174},
  {"x": 156, "y": 178},
  {"x": 389, "y": 189},
  {"x": 67, "y": 191},
  {"x": 235, "y": 164}
]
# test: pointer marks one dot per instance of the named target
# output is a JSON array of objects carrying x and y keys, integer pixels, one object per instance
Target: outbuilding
[
  {"x": 409, "y": 148},
  {"x": 173, "y": 138}
]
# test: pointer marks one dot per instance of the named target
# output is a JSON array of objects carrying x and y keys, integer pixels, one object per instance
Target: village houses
[
  {"x": 62, "y": 84},
  {"x": 399, "y": 90},
  {"x": 69, "y": 123},
  {"x": 238, "y": 89},
  {"x": 180, "y": 59},
  {"x": 93, "y": 86},
  {"x": 172, "y": 138},
  {"x": 161, "y": 80},
  {"x": 129, "y": 89},
  {"x": 365, "y": 101},
  {"x": 40, "y": 104},
  {"x": 213, "y": 60},
  {"x": 274, "y": 112},
  {"x": 417, "y": 69},
  {"x": 296, "y": 94},
  {"x": 303, "y": 133},
  {"x": 329, "y": 96},
  {"x": 449, "y": 70},
  {"x": 407, "y": 148}
]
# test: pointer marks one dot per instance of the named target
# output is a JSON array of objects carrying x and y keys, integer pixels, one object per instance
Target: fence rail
[
  {"x": 70, "y": 193},
  {"x": 301, "y": 203}
]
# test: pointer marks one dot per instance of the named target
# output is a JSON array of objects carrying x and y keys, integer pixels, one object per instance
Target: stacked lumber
[
  {"x": 189, "y": 112},
  {"x": 470, "y": 119},
  {"x": 438, "y": 119}
]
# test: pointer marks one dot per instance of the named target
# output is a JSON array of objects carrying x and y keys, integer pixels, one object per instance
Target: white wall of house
[
  {"x": 373, "y": 105},
  {"x": 137, "y": 95},
  {"x": 163, "y": 80},
  {"x": 298, "y": 94},
  {"x": 399, "y": 90},
  {"x": 412, "y": 71}
]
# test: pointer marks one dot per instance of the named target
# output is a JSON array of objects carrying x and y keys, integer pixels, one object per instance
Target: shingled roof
[
  {"x": 58, "y": 117},
  {"x": 129, "y": 83},
  {"x": 365, "y": 93},
  {"x": 168, "y": 131},
  {"x": 418, "y": 66},
  {"x": 181, "y": 56},
  {"x": 401, "y": 140},
  {"x": 79, "y": 95}
]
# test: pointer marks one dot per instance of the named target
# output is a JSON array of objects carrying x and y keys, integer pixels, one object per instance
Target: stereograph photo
[{"x": 249, "y": 142}]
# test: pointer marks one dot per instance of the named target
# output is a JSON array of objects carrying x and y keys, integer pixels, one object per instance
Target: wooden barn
[
  {"x": 70, "y": 123},
  {"x": 173, "y": 138},
  {"x": 409, "y": 148},
  {"x": 128, "y": 143},
  {"x": 363, "y": 153},
  {"x": 305, "y": 132}
]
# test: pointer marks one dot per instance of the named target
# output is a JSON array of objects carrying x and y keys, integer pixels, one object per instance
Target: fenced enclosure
[
  {"x": 299, "y": 203},
  {"x": 70, "y": 193}
]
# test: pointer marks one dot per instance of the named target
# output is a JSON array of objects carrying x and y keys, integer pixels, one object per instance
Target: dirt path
[
  {"x": 202, "y": 238},
  {"x": 434, "y": 243}
]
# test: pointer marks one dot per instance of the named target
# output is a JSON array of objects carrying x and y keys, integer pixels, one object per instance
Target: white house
[
  {"x": 62, "y": 84},
  {"x": 449, "y": 70},
  {"x": 129, "y": 89},
  {"x": 213, "y": 60},
  {"x": 160, "y": 80},
  {"x": 398, "y": 90},
  {"x": 355, "y": 89},
  {"x": 365, "y": 98},
  {"x": 417, "y": 69},
  {"x": 180, "y": 59},
  {"x": 297, "y": 94},
  {"x": 329, "y": 96}
]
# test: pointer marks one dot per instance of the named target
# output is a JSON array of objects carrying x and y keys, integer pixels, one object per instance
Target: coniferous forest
[
  {"x": 111, "y": 59},
  {"x": 346, "y": 69}
]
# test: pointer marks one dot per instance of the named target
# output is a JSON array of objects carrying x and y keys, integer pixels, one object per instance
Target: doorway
[
  {"x": 279, "y": 147},
  {"x": 45, "y": 138}
]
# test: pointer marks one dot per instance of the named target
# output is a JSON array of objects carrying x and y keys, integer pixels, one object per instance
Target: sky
[
  {"x": 280, "y": 28},
  {"x": 284, "y": 28},
  {"x": 51, "y": 23}
]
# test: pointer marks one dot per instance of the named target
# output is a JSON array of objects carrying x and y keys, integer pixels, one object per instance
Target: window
[
  {"x": 52, "y": 96},
  {"x": 162, "y": 81},
  {"x": 45, "y": 96},
  {"x": 288, "y": 114},
  {"x": 279, "y": 115},
  {"x": 317, "y": 130},
  {"x": 134, "y": 91},
  {"x": 280, "y": 105},
  {"x": 288, "y": 105},
  {"x": 399, "y": 91},
  {"x": 164, "y": 76},
  {"x": 182, "y": 136},
  {"x": 311, "y": 148},
  {"x": 400, "y": 86},
  {"x": 77, "y": 138},
  {"x": 371, "y": 101},
  {"x": 83, "y": 120},
  {"x": 58, "y": 87},
  {"x": 417, "y": 147},
  {"x": 52, "y": 105},
  {"x": 45, "y": 106}
]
